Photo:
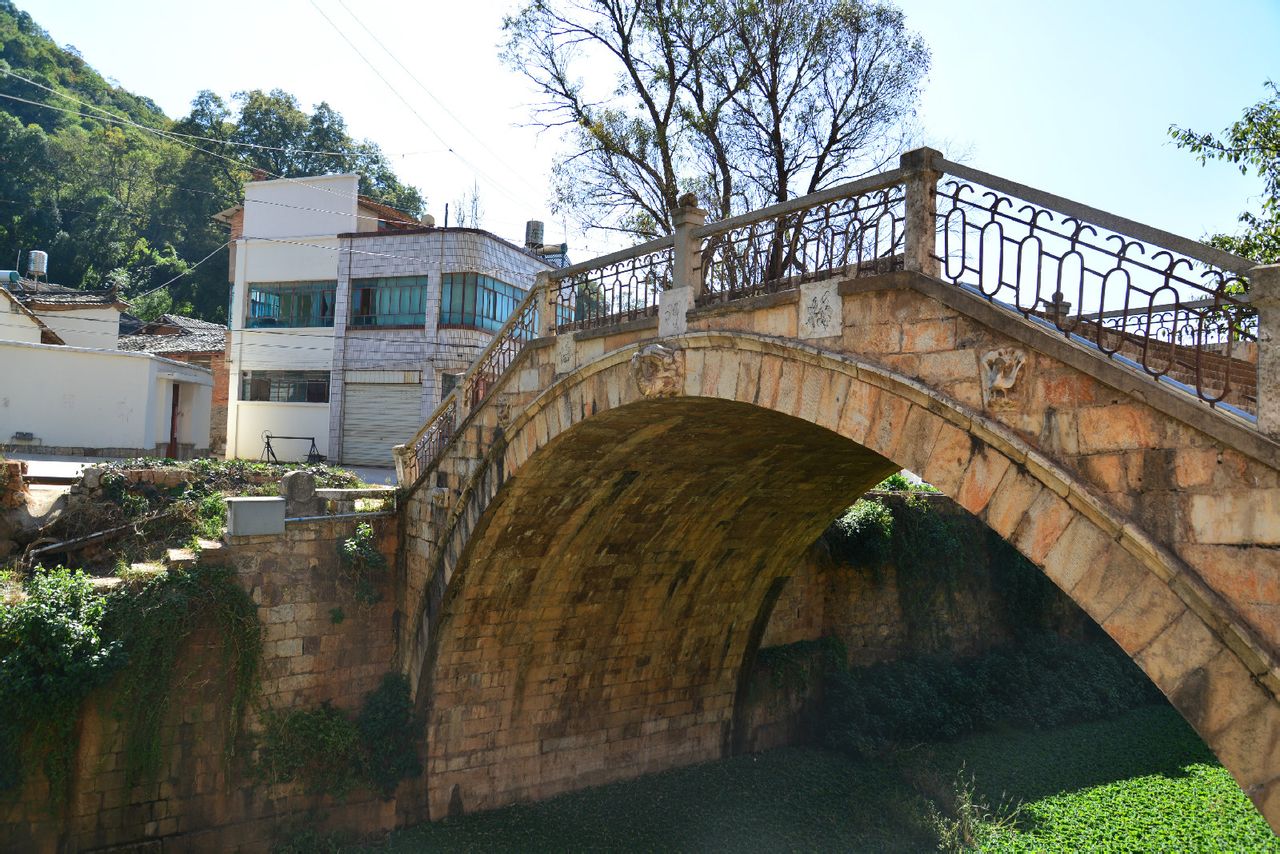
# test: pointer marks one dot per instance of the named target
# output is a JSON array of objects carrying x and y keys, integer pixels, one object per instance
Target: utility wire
[{"x": 519, "y": 174}]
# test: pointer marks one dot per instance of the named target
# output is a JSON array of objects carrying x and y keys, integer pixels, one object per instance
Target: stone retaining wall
[{"x": 202, "y": 801}]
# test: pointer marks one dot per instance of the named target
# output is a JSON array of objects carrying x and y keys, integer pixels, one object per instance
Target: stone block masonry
[
  {"x": 631, "y": 534},
  {"x": 202, "y": 801}
]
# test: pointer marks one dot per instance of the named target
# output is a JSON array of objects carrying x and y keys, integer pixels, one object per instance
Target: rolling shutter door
[{"x": 376, "y": 418}]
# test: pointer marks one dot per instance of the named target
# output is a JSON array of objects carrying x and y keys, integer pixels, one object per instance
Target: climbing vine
[
  {"x": 362, "y": 564},
  {"x": 60, "y": 639},
  {"x": 328, "y": 752},
  {"x": 151, "y": 622}
]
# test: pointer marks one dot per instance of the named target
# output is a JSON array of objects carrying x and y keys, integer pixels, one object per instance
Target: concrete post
[
  {"x": 687, "y": 261},
  {"x": 922, "y": 203},
  {"x": 546, "y": 304},
  {"x": 1264, "y": 295},
  {"x": 400, "y": 453}
]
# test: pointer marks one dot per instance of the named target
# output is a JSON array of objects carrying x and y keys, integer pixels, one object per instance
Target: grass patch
[{"x": 1141, "y": 782}]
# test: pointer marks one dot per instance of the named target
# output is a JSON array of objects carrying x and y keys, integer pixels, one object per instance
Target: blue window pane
[{"x": 476, "y": 301}]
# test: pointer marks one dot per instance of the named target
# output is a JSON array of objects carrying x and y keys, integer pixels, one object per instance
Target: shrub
[
  {"x": 1046, "y": 682},
  {"x": 52, "y": 654},
  {"x": 328, "y": 753},
  {"x": 863, "y": 534}
]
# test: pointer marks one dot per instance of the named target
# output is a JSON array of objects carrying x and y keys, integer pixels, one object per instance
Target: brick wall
[{"x": 202, "y": 801}]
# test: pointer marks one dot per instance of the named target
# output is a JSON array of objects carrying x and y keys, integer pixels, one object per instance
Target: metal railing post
[
  {"x": 546, "y": 304},
  {"x": 920, "y": 229},
  {"x": 687, "y": 257},
  {"x": 1264, "y": 295}
]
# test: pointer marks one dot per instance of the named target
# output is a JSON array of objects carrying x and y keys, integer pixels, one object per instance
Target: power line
[
  {"x": 466, "y": 129},
  {"x": 159, "y": 133}
]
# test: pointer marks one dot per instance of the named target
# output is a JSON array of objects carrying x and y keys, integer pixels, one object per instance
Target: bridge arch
[{"x": 594, "y": 622}]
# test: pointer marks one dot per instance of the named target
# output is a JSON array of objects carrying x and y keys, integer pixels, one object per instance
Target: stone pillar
[
  {"x": 1264, "y": 295},
  {"x": 687, "y": 263},
  {"x": 922, "y": 203},
  {"x": 546, "y": 304},
  {"x": 298, "y": 488}
]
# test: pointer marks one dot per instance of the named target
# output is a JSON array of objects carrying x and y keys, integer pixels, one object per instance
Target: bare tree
[
  {"x": 743, "y": 102},
  {"x": 469, "y": 208}
]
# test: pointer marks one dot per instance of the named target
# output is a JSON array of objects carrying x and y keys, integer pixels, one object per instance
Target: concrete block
[{"x": 254, "y": 516}]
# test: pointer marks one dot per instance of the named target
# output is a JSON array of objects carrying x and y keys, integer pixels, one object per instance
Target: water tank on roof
[
  {"x": 37, "y": 263},
  {"x": 9, "y": 277},
  {"x": 533, "y": 233}
]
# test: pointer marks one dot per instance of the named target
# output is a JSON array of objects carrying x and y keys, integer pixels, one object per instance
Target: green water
[{"x": 1140, "y": 782}]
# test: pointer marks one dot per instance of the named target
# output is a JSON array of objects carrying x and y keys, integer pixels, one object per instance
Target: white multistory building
[{"x": 349, "y": 320}]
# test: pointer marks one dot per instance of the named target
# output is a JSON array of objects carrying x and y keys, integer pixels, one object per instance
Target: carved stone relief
[
  {"x": 820, "y": 310},
  {"x": 658, "y": 370},
  {"x": 566, "y": 353},
  {"x": 1000, "y": 370},
  {"x": 673, "y": 309}
]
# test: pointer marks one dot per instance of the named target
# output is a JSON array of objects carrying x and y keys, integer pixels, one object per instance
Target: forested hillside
[{"x": 120, "y": 194}]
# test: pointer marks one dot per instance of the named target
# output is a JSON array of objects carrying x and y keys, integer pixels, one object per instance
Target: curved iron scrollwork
[
  {"x": 613, "y": 293},
  {"x": 1173, "y": 315},
  {"x": 484, "y": 374},
  {"x": 853, "y": 236},
  {"x": 431, "y": 442}
]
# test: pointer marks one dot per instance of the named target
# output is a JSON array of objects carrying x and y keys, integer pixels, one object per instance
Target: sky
[{"x": 1073, "y": 98}]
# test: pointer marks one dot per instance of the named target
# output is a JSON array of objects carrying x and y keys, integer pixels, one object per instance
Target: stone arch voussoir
[{"x": 1145, "y": 598}]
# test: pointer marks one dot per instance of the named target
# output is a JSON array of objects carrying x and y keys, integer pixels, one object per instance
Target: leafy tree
[
  {"x": 1253, "y": 145},
  {"x": 118, "y": 205},
  {"x": 292, "y": 144},
  {"x": 743, "y": 102}
]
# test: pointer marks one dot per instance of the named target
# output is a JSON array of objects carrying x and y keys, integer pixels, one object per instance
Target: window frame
[
  {"x": 376, "y": 294},
  {"x": 292, "y": 293},
  {"x": 478, "y": 301},
  {"x": 284, "y": 386}
]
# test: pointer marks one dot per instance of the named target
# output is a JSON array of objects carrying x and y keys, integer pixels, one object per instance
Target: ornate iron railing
[
  {"x": 426, "y": 447},
  {"x": 613, "y": 289},
  {"x": 851, "y": 230},
  {"x": 1173, "y": 307},
  {"x": 430, "y": 441},
  {"x": 1170, "y": 307},
  {"x": 501, "y": 352}
]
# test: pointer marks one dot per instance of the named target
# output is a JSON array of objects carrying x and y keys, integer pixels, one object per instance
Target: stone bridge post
[
  {"x": 922, "y": 203},
  {"x": 546, "y": 304},
  {"x": 686, "y": 263},
  {"x": 1264, "y": 295}
]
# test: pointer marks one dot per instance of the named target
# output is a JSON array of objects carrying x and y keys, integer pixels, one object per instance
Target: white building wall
[
  {"x": 84, "y": 398},
  {"x": 253, "y": 418},
  {"x": 16, "y": 325},
  {"x": 84, "y": 327},
  {"x": 290, "y": 235},
  {"x": 300, "y": 207}
]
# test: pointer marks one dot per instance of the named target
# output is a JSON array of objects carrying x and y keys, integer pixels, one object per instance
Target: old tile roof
[
  {"x": 47, "y": 335},
  {"x": 173, "y": 333},
  {"x": 48, "y": 294}
]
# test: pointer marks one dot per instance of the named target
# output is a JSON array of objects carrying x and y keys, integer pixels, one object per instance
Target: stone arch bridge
[{"x": 600, "y": 518}]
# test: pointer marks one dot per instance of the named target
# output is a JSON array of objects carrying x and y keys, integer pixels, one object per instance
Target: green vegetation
[
  {"x": 329, "y": 753},
  {"x": 53, "y": 653},
  {"x": 934, "y": 553},
  {"x": 60, "y": 640},
  {"x": 1251, "y": 144},
  {"x": 1139, "y": 782},
  {"x": 362, "y": 564},
  {"x": 118, "y": 205},
  {"x": 151, "y": 623},
  {"x": 1042, "y": 683}
]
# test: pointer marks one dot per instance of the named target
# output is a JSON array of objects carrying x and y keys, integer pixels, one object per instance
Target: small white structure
[
  {"x": 60, "y": 398},
  {"x": 350, "y": 320}
]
